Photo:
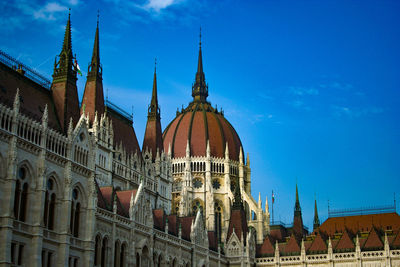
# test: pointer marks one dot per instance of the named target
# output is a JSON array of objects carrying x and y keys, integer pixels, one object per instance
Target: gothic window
[
  {"x": 218, "y": 219},
  {"x": 116, "y": 254},
  {"x": 21, "y": 195},
  {"x": 216, "y": 184},
  {"x": 97, "y": 251},
  {"x": 104, "y": 253},
  {"x": 49, "y": 204},
  {"x": 196, "y": 206},
  {"x": 122, "y": 255},
  {"x": 197, "y": 183},
  {"x": 75, "y": 212}
]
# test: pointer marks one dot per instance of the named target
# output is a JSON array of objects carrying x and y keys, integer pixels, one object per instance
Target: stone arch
[{"x": 29, "y": 172}]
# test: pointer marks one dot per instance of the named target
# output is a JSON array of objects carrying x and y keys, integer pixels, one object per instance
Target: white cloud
[
  {"x": 158, "y": 5},
  {"x": 355, "y": 112},
  {"x": 49, "y": 11},
  {"x": 301, "y": 91}
]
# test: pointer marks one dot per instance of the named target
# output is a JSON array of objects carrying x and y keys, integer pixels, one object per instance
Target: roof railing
[
  {"x": 24, "y": 70},
  {"x": 119, "y": 110},
  {"x": 362, "y": 211}
]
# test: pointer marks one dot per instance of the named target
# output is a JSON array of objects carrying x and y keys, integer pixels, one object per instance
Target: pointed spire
[
  {"x": 153, "y": 135},
  {"x": 316, "y": 219},
  {"x": 297, "y": 208},
  {"x": 241, "y": 155},
  {"x": 65, "y": 64},
  {"x": 200, "y": 88},
  {"x": 95, "y": 69},
  {"x": 154, "y": 110},
  {"x": 45, "y": 117},
  {"x": 259, "y": 201},
  {"x": 248, "y": 160},
  {"x": 266, "y": 205}
]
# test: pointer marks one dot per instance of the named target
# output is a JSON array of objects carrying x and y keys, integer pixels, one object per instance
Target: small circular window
[
  {"x": 197, "y": 183},
  {"x": 216, "y": 184}
]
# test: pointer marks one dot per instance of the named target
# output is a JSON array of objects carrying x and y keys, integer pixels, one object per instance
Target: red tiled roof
[
  {"x": 186, "y": 224},
  {"x": 292, "y": 246},
  {"x": 173, "y": 225},
  {"x": 278, "y": 232},
  {"x": 124, "y": 132},
  {"x": 267, "y": 248},
  {"x": 396, "y": 241},
  {"x": 124, "y": 198},
  {"x": 33, "y": 97},
  {"x": 93, "y": 98},
  {"x": 361, "y": 223},
  {"x": 373, "y": 241},
  {"x": 198, "y": 123},
  {"x": 318, "y": 245},
  {"x": 212, "y": 241},
  {"x": 239, "y": 223},
  {"x": 153, "y": 137},
  {"x": 106, "y": 196},
  {"x": 159, "y": 219},
  {"x": 345, "y": 243}
]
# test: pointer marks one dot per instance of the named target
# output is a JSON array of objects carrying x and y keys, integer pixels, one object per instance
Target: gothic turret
[
  {"x": 297, "y": 220},
  {"x": 316, "y": 219},
  {"x": 64, "y": 90},
  {"x": 93, "y": 97},
  {"x": 153, "y": 135},
  {"x": 200, "y": 88}
]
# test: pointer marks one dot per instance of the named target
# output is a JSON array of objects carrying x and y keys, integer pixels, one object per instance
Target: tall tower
[
  {"x": 63, "y": 88},
  {"x": 153, "y": 135},
  {"x": 316, "y": 219},
  {"x": 297, "y": 219},
  {"x": 93, "y": 97}
]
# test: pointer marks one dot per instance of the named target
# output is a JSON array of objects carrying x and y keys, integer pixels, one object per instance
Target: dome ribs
[
  {"x": 215, "y": 138},
  {"x": 221, "y": 131},
  {"x": 205, "y": 122},
  {"x": 181, "y": 135},
  {"x": 198, "y": 135},
  {"x": 189, "y": 137}
]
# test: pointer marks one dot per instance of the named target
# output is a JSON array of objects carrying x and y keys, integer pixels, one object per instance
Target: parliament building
[{"x": 77, "y": 189}]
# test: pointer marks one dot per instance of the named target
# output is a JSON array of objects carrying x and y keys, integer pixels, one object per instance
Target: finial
[
  {"x": 69, "y": 13},
  {"x": 98, "y": 15},
  {"x": 200, "y": 37},
  {"x": 155, "y": 64}
]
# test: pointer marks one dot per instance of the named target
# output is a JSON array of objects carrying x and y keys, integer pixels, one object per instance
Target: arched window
[
  {"x": 75, "y": 212},
  {"x": 197, "y": 204},
  {"x": 137, "y": 260},
  {"x": 104, "y": 253},
  {"x": 49, "y": 204},
  {"x": 218, "y": 220},
  {"x": 97, "y": 251},
  {"x": 21, "y": 195},
  {"x": 122, "y": 255},
  {"x": 117, "y": 248}
]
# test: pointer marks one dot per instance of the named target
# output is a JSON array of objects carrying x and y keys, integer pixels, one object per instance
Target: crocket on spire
[
  {"x": 153, "y": 135},
  {"x": 316, "y": 219},
  {"x": 200, "y": 88},
  {"x": 93, "y": 97}
]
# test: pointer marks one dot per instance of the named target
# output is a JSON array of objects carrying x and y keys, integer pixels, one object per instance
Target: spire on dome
[
  {"x": 297, "y": 208},
  {"x": 237, "y": 202},
  {"x": 316, "y": 219},
  {"x": 200, "y": 88}
]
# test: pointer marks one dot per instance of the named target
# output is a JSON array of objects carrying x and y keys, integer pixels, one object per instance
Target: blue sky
[{"x": 312, "y": 87}]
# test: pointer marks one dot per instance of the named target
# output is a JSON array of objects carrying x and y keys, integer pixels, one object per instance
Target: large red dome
[{"x": 198, "y": 123}]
